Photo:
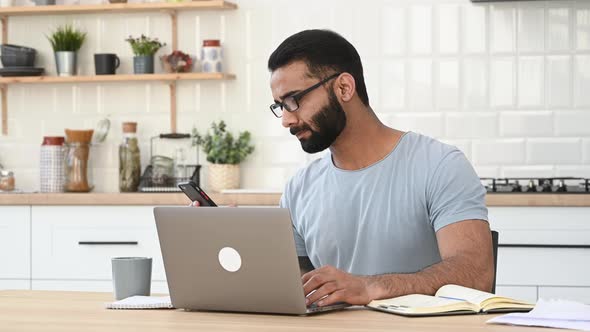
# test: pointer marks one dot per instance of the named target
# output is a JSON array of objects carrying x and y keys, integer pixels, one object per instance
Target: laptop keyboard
[{"x": 315, "y": 308}]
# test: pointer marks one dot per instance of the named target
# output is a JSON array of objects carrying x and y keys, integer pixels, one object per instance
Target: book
[
  {"x": 141, "y": 302},
  {"x": 450, "y": 300}
]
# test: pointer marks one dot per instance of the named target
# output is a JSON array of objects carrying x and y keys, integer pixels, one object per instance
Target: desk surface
[{"x": 50, "y": 311}]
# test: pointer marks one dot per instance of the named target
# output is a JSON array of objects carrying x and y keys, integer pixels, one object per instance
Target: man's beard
[{"x": 329, "y": 121}]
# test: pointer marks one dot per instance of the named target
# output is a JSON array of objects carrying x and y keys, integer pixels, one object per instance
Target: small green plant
[
  {"x": 144, "y": 45},
  {"x": 66, "y": 39},
  {"x": 220, "y": 145}
]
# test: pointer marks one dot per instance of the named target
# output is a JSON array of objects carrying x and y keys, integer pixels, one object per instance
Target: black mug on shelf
[{"x": 106, "y": 63}]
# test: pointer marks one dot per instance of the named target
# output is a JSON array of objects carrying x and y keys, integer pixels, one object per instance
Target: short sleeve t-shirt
[{"x": 383, "y": 218}]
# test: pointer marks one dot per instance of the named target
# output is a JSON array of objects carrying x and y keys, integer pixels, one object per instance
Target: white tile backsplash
[
  {"x": 562, "y": 151},
  {"x": 474, "y": 28},
  {"x": 506, "y": 82},
  {"x": 503, "y": 27},
  {"x": 531, "y": 87},
  {"x": 499, "y": 152},
  {"x": 448, "y": 28},
  {"x": 502, "y": 78},
  {"x": 582, "y": 81},
  {"x": 420, "y": 29},
  {"x": 582, "y": 14},
  {"x": 526, "y": 124},
  {"x": 558, "y": 81},
  {"x": 531, "y": 22},
  {"x": 475, "y": 83},
  {"x": 573, "y": 123},
  {"x": 558, "y": 27}
]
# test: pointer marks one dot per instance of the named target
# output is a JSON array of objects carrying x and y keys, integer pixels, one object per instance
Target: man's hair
[{"x": 324, "y": 52}]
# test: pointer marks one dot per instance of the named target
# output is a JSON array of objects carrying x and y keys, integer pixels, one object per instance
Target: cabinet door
[
  {"x": 15, "y": 244},
  {"x": 78, "y": 242},
  {"x": 15, "y": 284},
  {"x": 549, "y": 230}
]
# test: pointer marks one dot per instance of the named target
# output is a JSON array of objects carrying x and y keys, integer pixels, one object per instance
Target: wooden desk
[{"x": 80, "y": 311}]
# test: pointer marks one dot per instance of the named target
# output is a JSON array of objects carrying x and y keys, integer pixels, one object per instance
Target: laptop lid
[{"x": 230, "y": 259}]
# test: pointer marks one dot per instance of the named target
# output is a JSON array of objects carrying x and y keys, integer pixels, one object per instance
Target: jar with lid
[
  {"x": 129, "y": 159},
  {"x": 77, "y": 160},
  {"x": 52, "y": 154},
  {"x": 6, "y": 180},
  {"x": 212, "y": 56}
]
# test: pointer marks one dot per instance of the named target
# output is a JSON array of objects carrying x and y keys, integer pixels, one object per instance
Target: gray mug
[{"x": 131, "y": 276}]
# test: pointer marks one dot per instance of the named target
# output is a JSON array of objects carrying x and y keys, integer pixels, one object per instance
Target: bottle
[
  {"x": 77, "y": 161},
  {"x": 179, "y": 165},
  {"x": 129, "y": 161}
]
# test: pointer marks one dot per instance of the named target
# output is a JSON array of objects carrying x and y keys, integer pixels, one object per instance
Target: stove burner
[{"x": 560, "y": 185}]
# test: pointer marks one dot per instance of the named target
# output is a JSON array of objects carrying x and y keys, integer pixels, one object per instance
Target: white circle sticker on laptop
[{"x": 230, "y": 259}]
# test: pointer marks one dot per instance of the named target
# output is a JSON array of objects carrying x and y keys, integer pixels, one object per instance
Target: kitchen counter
[{"x": 261, "y": 199}]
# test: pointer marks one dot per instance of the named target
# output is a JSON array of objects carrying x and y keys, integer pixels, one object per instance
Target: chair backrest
[{"x": 495, "y": 236}]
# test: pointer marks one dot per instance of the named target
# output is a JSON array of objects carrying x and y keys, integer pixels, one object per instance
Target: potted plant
[
  {"x": 225, "y": 153},
  {"x": 144, "y": 48},
  {"x": 66, "y": 41}
]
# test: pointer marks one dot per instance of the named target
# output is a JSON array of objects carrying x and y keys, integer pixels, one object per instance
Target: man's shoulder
[
  {"x": 426, "y": 148},
  {"x": 306, "y": 175}
]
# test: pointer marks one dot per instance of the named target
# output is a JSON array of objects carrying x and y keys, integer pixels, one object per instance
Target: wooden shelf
[
  {"x": 165, "y": 7},
  {"x": 116, "y": 78},
  {"x": 116, "y": 8}
]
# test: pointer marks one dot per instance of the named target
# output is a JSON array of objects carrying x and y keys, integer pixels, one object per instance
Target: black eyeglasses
[{"x": 291, "y": 103}]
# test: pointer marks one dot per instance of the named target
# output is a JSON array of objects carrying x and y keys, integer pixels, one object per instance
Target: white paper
[
  {"x": 552, "y": 313},
  {"x": 142, "y": 302}
]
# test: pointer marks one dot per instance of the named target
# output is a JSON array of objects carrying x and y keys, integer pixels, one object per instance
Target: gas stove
[{"x": 562, "y": 185}]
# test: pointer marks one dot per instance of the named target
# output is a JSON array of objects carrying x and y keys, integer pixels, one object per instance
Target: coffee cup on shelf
[{"x": 106, "y": 63}]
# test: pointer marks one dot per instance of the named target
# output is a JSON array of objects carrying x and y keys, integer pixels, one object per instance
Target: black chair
[{"x": 495, "y": 236}]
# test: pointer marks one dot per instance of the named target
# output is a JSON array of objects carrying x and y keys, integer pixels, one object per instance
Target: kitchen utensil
[
  {"x": 21, "y": 71},
  {"x": 101, "y": 131}
]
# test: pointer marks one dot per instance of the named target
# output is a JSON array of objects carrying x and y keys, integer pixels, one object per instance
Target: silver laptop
[{"x": 232, "y": 259}]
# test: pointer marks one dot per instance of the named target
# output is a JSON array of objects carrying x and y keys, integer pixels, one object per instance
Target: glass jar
[
  {"x": 6, "y": 180},
  {"x": 129, "y": 159},
  {"x": 77, "y": 158},
  {"x": 162, "y": 171}
]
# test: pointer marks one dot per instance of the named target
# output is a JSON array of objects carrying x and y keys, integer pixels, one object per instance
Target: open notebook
[
  {"x": 142, "y": 302},
  {"x": 449, "y": 300}
]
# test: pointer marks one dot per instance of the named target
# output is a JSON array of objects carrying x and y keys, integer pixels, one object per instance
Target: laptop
[{"x": 232, "y": 259}]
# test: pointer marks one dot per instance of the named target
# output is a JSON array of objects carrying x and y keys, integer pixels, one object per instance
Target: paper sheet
[
  {"x": 142, "y": 302},
  {"x": 551, "y": 313}
]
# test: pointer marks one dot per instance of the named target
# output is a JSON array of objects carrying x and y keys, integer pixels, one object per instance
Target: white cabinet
[
  {"x": 15, "y": 247},
  {"x": 534, "y": 250},
  {"x": 72, "y": 246}
]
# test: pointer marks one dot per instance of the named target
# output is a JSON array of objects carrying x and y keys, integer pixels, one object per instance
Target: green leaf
[{"x": 221, "y": 147}]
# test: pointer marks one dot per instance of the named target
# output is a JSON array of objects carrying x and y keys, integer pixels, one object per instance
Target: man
[{"x": 385, "y": 213}]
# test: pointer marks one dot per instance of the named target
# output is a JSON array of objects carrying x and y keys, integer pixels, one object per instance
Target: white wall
[{"x": 508, "y": 83}]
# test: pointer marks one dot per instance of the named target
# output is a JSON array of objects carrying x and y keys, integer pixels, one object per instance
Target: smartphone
[{"x": 196, "y": 194}]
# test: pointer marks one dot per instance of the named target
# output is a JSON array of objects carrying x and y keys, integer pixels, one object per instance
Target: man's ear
[{"x": 345, "y": 87}]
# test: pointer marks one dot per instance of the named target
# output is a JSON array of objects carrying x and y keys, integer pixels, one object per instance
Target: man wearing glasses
[{"x": 385, "y": 213}]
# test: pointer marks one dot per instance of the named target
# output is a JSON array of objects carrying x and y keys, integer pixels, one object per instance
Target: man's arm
[{"x": 466, "y": 252}]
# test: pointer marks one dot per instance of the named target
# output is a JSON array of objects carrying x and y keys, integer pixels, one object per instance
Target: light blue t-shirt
[{"x": 383, "y": 218}]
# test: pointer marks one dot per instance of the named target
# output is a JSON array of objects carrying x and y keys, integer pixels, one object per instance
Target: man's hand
[{"x": 336, "y": 286}]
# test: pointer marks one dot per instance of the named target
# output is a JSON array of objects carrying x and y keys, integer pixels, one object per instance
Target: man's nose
[{"x": 288, "y": 119}]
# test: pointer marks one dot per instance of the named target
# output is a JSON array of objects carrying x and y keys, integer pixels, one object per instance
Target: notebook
[
  {"x": 450, "y": 300},
  {"x": 142, "y": 302}
]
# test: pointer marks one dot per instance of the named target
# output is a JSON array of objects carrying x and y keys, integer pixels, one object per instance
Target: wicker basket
[{"x": 223, "y": 176}]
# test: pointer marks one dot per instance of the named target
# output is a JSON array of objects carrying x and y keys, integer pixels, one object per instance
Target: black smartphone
[{"x": 196, "y": 194}]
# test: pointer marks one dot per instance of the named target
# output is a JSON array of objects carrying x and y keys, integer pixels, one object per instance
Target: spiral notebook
[{"x": 142, "y": 302}]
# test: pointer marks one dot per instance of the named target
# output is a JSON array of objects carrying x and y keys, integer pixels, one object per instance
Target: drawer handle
[
  {"x": 558, "y": 246},
  {"x": 107, "y": 243}
]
